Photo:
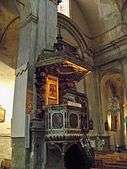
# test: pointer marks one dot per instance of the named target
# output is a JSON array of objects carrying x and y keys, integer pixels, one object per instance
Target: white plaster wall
[
  {"x": 19, "y": 109},
  {"x": 7, "y": 81},
  {"x": 5, "y": 148}
]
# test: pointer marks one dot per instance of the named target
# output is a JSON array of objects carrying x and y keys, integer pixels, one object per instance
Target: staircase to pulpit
[{"x": 62, "y": 110}]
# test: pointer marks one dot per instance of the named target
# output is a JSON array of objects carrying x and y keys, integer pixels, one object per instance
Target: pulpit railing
[{"x": 62, "y": 120}]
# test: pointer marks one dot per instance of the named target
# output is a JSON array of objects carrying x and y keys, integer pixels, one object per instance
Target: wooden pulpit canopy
[{"x": 63, "y": 62}]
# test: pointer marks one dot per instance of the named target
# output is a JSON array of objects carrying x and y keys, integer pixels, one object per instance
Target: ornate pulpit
[
  {"x": 62, "y": 110},
  {"x": 64, "y": 121}
]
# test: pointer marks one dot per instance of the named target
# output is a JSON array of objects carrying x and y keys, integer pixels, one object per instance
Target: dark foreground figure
[{"x": 76, "y": 158}]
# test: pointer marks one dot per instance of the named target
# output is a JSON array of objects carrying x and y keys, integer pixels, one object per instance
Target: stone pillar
[
  {"x": 46, "y": 35},
  {"x": 97, "y": 79},
  {"x": 124, "y": 72},
  {"x": 94, "y": 99},
  {"x": 27, "y": 40},
  {"x": 38, "y": 32},
  {"x": 18, "y": 121},
  {"x": 47, "y": 25}
]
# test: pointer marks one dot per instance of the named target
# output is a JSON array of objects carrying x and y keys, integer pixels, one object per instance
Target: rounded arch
[
  {"x": 112, "y": 104},
  {"x": 10, "y": 21},
  {"x": 115, "y": 78},
  {"x": 109, "y": 72},
  {"x": 72, "y": 28},
  {"x": 7, "y": 27}
]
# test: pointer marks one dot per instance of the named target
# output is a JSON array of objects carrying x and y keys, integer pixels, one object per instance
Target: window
[{"x": 63, "y": 8}]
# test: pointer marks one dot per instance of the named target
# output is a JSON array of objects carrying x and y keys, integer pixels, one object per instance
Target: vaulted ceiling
[
  {"x": 97, "y": 13},
  {"x": 94, "y": 17},
  {"x": 90, "y": 11}
]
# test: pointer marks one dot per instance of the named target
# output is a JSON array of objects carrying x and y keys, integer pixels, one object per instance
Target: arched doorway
[{"x": 75, "y": 158}]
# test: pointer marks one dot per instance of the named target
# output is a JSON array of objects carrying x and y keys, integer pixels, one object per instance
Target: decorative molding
[
  {"x": 111, "y": 52},
  {"x": 115, "y": 44},
  {"x": 30, "y": 18}
]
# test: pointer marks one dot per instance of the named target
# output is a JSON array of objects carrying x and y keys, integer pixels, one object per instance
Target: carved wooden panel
[{"x": 73, "y": 120}]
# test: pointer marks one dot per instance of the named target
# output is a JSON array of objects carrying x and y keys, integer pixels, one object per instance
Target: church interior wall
[
  {"x": 7, "y": 83},
  {"x": 9, "y": 26},
  {"x": 93, "y": 84}
]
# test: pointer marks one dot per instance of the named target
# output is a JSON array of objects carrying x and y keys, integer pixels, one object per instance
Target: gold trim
[{"x": 76, "y": 67}]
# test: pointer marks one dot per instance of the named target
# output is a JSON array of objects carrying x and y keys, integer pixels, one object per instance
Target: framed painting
[{"x": 52, "y": 93}]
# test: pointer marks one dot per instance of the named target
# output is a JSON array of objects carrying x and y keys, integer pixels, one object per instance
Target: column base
[{"x": 18, "y": 153}]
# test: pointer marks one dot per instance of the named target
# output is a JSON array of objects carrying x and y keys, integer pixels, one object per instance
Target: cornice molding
[
  {"x": 115, "y": 44},
  {"x": 111, "y": 52},
  {"x": 110, "y": 58}
]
